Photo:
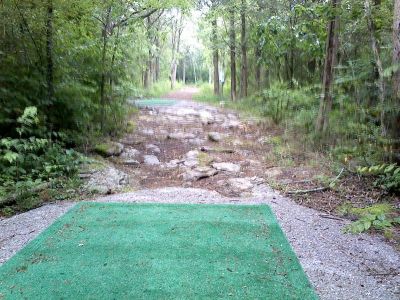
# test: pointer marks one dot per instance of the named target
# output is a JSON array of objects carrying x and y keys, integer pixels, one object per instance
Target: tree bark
[
  {"x": 378, "y": 63},
  {"x": 244, "y": 68},
  {"x": 147, "y": 73},
  {"x": 49, "y": 52},
  {"x": 396, "y": 65},
  {"x": 176, "y": 39},
  {"x": 184, "y": 70},
  {"x": 232, "y": 45},
  {"x": 103, "y": 68},
  {"x": 332, "y": 44},
  {"x": 215, "y": 55}
]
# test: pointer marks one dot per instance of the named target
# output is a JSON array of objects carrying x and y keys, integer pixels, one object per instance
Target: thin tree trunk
[
  {"x": 157, "y": 59},
  {"x": 103, "y": 68},
  {"x": 194, "y": 71},
  {"x": 244, "y": 68},
  {"x": 113, "y": 56},
  {"x": 49, "y": 52},
  {"x": 232, "y": 44},
  {"x": 147, "y": 76},
  {"x": 396, "y": 65},
  {"x": 147, "y": 72},
  {"x": 378, "y": 63},
  {"x": 215, "y": 56},
  {"x": 176, "y": 40},
  {"x": 258, "y": 51},
  {"x": 184, "y": 70},
  {"x": 332, "y": 44}
]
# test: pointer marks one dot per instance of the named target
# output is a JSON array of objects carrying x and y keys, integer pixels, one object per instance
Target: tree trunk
[
  {"x": 378, "y": 64},
  {"x": 176, "y": 39},
  {"x": 157, "y": 60},
  {"x": 103, "y": 68},
  {"x": 244, "y": 68},
  {"x": 184, "y": 70},
  {"x": 396, "y": 65},
  {"x": 113, "y": 56},
  {"x": 49, "y": 52},
  {"x": 147, "y": 72},
  {"x": 332, "y": 44},
  {"x": 215, "y": 56},
  {"x": 232, "y": 44}
]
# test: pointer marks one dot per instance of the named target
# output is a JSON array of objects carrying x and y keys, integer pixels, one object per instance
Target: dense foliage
[
  {"x": 67, "y": 71},
  {"x": 282, "y": 55}
]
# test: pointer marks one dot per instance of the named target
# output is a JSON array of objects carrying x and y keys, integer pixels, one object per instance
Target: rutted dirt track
[{"x": 194, "y": 153}]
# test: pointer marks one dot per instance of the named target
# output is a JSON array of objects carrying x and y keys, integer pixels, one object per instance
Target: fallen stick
[
  {"x": 223, "y": 150},
  {"x": 320, "y": 189},
  {"x": 331, "y": 217}
]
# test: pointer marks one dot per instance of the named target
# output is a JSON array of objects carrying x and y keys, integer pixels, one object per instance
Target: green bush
[
  {"x": 379, "y": 217},
  {"x": 28, "y": 161},
  {"x": 388, "y": 176}
]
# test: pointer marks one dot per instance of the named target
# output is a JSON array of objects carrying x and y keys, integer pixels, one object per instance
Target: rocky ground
[{"x": 194, "y": 153}]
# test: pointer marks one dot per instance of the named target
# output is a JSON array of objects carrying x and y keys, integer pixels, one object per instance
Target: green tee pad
[{"x": 158, "y": 251}]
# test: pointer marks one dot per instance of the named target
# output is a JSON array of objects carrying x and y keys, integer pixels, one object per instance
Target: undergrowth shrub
[
  {"x": 381, "y": 217},
  {"x": 387, "y": 176},
  {"x": 28, "y": 161}
]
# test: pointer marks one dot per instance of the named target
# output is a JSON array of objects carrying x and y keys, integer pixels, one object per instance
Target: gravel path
[{"x": 340, "y": 266}]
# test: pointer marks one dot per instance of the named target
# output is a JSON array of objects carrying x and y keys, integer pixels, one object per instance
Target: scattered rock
[
  {"x": 240, "y": 184},
  {"x": 237, "y": 142},
  {"x": 191, "y": 163},
  {"x": 231, "y": 124},
  {"x": 225, "y": 166},
  {"x": 199, "y": 173},
  {"x": 174, "y": 163},
  {"x": 151, "y": 160},
  {"x": 109, "y": 149},
  {"x": 214, "y": 136},
  {"x": 193, "y": 154},
  {"x": 132, "y": 141},
  {"x": 264, "y": 140},
  {"x": 131, "y": 162},
  {"x": 106, "y": 180},
  {"x": 273, "y": 172},
  {"x": 196, "y": 141},
  {"x": 181, "y": 136},
  {"x": 153, "y": 148},
  {"x": 186, "y": 112},
  {"x": 148, "y": 132},
  {"x": 206, "y": 117},
  {"x": 130, "y": 153}
]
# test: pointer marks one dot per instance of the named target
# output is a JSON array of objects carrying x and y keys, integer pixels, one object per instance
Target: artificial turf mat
[
  {"x": 158, "y": 251},
  {"x": 154, "y": 102}
]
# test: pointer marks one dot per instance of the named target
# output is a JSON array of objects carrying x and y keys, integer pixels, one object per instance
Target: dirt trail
[{"x": 195, "y": 153}]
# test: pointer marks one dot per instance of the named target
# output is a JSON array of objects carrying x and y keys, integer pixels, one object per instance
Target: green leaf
[{"x": 11, "y": 156}]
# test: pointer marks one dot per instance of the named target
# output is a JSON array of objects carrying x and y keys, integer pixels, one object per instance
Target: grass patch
[{"x": 155, "y": 251}]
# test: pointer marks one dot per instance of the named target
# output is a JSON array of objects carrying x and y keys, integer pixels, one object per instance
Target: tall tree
[
  {"x": 244, "y": 67},
  {"x": 176, "y": 33},
  {"x": 232, "y": 45},
  {"x": 261, "y": 7},
  {"x": 214, "y": 43},
  {"x": 378, "y": 63},
  {"x": 49, "y": 52},
  {"x": 332, "y": 45},
  {"x": 396, "y": 65}
]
